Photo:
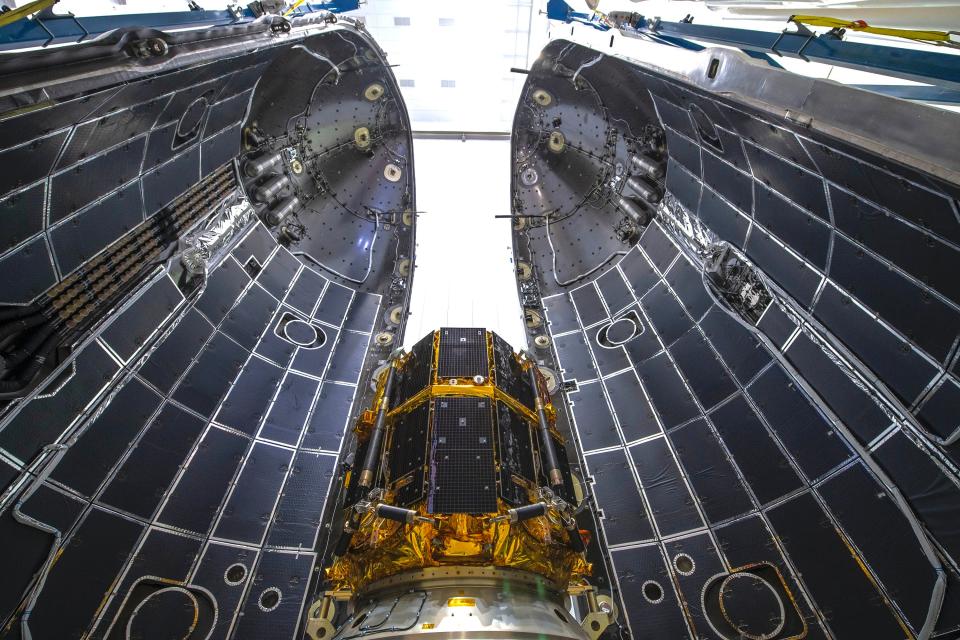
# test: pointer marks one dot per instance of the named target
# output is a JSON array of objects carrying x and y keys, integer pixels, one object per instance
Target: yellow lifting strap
[
  {"x": 9, "y": 17},
  {"x": 946, "y": 38}
]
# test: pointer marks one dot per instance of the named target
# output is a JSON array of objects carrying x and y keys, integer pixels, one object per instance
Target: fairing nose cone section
[
  {"x": 206, "y": 244},
  {"x": 743, "y": 282}
]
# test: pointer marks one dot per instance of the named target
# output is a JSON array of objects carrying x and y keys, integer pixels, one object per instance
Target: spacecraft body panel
[
  {"x": 201, "y": 267},
  {"x": 739, "y": 280}
]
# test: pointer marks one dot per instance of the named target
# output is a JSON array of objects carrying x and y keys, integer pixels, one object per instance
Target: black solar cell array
[{"x": 462, "y": 473}]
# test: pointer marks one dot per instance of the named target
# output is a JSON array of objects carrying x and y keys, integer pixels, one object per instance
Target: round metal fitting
[
  {"x": 407, "y": 217},
  {"x": 384, "y": 339},
  {"x": 373, "y": 92},
  {"x": 452, "y": 381},
  {"x": 519, "y": 223},
  {"x": 403, "y": 267},
  {"x": 529, "y": 177},
  {"x": 541, "y": 97},
  {"x": 361, "y": 137},
  {"x": 542, "y": 341},
  {"x": 557, "y": 142},
  {"x": 550, "y": 376},
  {"x": 392, "y": 173},
  {"x": 479, "y": 379},
  {"x": 395, "y": 315},
  {"x": 296, "y": 166}
]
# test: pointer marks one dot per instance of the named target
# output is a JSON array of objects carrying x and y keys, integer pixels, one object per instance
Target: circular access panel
[
  {"x": 191, "y": 118},
  {"x": 167, "y": 614},
  {"x": 751, "y": 606},
  {"x": 621, "y": 331},
  {"x": 301, "y": 333}
]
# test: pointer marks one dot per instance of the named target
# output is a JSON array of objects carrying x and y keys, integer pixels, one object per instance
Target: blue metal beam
[
  {"x": 912, "y": 64},
  {"x": 46, "y": 29},
  {"x": 914, "y": 92},
  {"x": 563, "y": 12}
]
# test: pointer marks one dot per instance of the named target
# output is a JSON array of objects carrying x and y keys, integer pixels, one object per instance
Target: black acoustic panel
[
  {"x": 616, "y": 294},
  {"x": 687, "y": 283},
  {"x": 83, "y": 575},
  {"x": 644, "y": 344},
  {"x": 896, "y": 241},
  {"x": 948, "y": 624},
  {"x": 666, "y": 390},
  {"x": 314, "y": 361},
  {"x": 669, "y": 318},
  {"x": 608, "y": 359},
  {"x": 288, "y": 413},
  {"x": 723, "y": 218},
  {"x": 224, "y": 286},
  {"x": 363, "y": 312},
  {"x": 408, "y": 442},
  {"x": 630, "y": 404},
  {"x": 574, "y": 356},
  {"x": 808, "y": 437},
  {"x": 23, "y": 216},
  {"x": 560, "y": 313},
  {"x": 249, "y": 318},
  {"x": 509, "y": 373},
  {"x": 194, "y": 502},
  {"x": 463, "y": 476},
  {"x": 685, "y": 188},
  {"x": 95, "y": 135},
  {"x": 849, "y": 601},
  {"x": 904, "y": 370},
  {"x": 776, "y": 325},
  {"x": 326, "y": 428},
  {"x": 515, "y": 448},
  {"x": 881, "y": 532},
  {"x": 226, "y": 113},
  {"x": 760, "y": 460},
  {"x": 417, "y": 371},
  {"x": 289, "y": 574},
  {"x": 211, "y": 574},
  {"x": 590, "y": 308},
  {"x": 162, "y": 555},
  {"x": 209, "y": 378},
  {"x": 702, "y": 369},
  {"x": 594, "y": 422},
  {"x": 90, "y": 231},
  {"x": 639, "y": 272},
  {"x": 173, "y": 355},
  {"x": 257, "y": 244},
  {"x": 799, "y": 230},
  {"x": 28, "y": 163},
  {"x": 463, "y": 353},
  {"x": 926, "y": 320},
  {"x": 278, "y": 349},
  {"x": 624, "y": 517},
  {"x": 145, "y": 476},
  {"x": 742, "y": 353},
  {"x": 712, "y": 476},
  {"x": 938, "y": 413},
  {"x": 706, "y": 563},
  {"x": 348, "y": 355},
  {"x": 686, "y": 153},
  {"x": 27, "y": 272},
  {"x": 131, "y": 329},
  {"x": 298, "y": 514},
  {"x": 793, "y": 183},
  {"x": 219, "y": 149},
  {"x": 734, "y": 186},
  {"x": 161, "y": 146},
  {"x": 658, "y": 247},
  {"x": 661, "y": 617},
  {"x": 306, "y": 291},
  {"x": 672, "y": 506},
  {"x": 43, "y": 419},
  {"x": 162, "y": 185},
  {"x": 931, "y": 493},
  {"x": 278, "y": 274},
  {"x": 250, "y": 396},
  {"x": 788, "y": 271},
  {"x": 76, "y": 187},
  {"x": 250, "y": 505},
  {"x": 200, "y": 93},
  {"x": 87, "y": 463},
  {"x": 746, "y": 542},
  {"x": 674, "y": 116},
  {"x": 29, "y": 546},
  {"x": 334, "y": 304},
  {"x": 852, "y": 405}
]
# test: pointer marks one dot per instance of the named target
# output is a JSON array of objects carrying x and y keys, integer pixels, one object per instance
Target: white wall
[{"x": 464, "y": 268}]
